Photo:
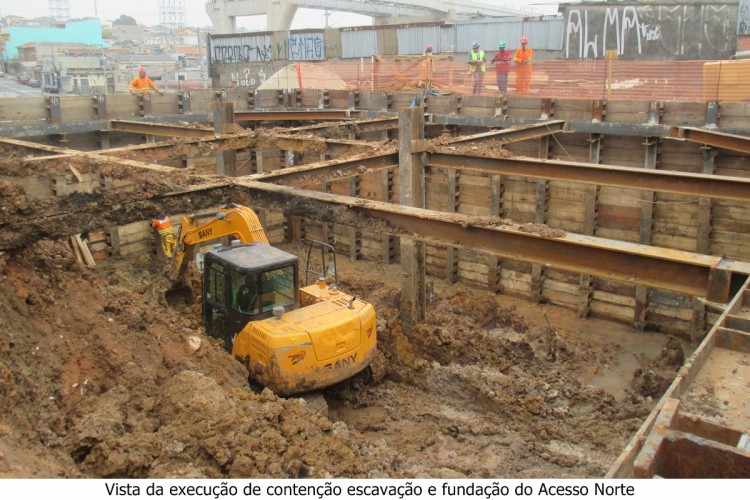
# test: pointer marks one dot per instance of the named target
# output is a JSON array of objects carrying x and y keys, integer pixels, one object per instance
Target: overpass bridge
[{"x": 223, "y": 13}]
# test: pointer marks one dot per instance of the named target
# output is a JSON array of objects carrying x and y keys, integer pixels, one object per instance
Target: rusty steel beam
[
  {"x": 32, "y": 146},
  {"x": 722, "y": 140},
  {"x": 360, "y": 126},
  {"x": 155, "y": 151},
  {"x": 515, "y": 134},
  {"x": 666, "y": 181},
  {"x": 96, "y": 155},
  {"x": 313, "y": 174},
  {"x": 293, "y": 142},
  {"x": 675, "y": 270},
  {"x": 363, "y": 125},
  {"x": 311, "y": 115},
  {"x": 159, "y": 129}
]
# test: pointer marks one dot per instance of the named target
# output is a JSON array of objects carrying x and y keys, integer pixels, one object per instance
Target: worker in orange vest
[
  {"x": 168, "y": 239},
  {"x": 142, "y": 84},
  {"x": 523, "y": 58}
]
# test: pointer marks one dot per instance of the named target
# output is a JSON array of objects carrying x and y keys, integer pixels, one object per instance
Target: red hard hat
[{"x": 524, "y": 39}]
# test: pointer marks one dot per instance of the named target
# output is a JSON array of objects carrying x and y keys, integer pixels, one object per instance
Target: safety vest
[{"x": 478, "y": 57}]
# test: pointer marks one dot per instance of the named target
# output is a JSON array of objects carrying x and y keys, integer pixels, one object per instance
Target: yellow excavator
[{"x": 293, "y": 339}]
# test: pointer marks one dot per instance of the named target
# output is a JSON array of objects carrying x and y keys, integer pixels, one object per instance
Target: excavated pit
[{"x": 100, "y": 377}]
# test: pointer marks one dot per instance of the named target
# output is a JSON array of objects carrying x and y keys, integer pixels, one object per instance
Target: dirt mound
[{"x": 194, "y": 426}]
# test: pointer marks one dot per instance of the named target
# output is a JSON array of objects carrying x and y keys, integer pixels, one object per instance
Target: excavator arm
[{"x": 239, "y": 222}]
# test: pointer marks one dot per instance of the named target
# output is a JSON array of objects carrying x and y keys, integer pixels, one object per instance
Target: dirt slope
[{"x": 100, "y": 379}]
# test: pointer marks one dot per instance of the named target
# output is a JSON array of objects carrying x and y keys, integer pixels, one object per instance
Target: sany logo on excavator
[
  {"x": 205, "y": 233},
  {"x": 342, "y": 363}
]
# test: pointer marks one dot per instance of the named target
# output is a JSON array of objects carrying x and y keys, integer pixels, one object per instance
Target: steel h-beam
[
  {"x": 722, "y": 140},
  {"x": 515, "y": 134},
  {"x": 683, "y": 272},
  {"x": 300, "y": 115},
  {"x": 159, "y": 129},
  {"x": 666, "y": 181}
]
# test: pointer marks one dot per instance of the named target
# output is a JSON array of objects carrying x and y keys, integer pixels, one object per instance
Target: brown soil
[
  {"x": 489, "y": 148},
  {"x": 655, "y": 376},
  {"x": 100, "y": 378}
]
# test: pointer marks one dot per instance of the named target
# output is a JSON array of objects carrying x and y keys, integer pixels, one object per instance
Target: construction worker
[
  {"x": 426, "y": 69},
  {"x": 142, "y": 84},
  {"x": 477, "y": 67},
  {"x": 523, "y": 59},
  {"x": 502, "y": 61},
  {"x": 168, "y": 239},
  {"x": 425, "y": 77}
]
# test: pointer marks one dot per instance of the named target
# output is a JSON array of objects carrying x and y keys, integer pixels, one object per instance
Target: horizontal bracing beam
[
  {"x": 313, "y": 174},
  {"x": 31, "y": 146},
  {"x": 155, "y": 151},
  {"x": 159, "y": 129},
  {"x": 722, "y": 140},
  {"x": 515, "y": 134},
  {"x": 675, "y": 270},
  {"x": 296, "y": 115},
  {"x": 41, "y": 128},
  {"x": 665, "y": 181}
]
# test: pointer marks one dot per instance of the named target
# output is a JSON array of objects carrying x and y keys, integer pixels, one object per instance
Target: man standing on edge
[
  {"x": 142, "y": 84},
  {"x": 502, "y": 66},
  {"x": 477, "y": 66},
  {"x": 523, "y": 58}
]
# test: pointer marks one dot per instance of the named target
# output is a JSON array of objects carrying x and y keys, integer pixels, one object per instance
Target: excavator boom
[{"x": 239, "y": 222}]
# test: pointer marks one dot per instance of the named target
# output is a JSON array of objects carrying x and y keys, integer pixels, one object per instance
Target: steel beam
[
  {"x": 359, "y": 126},
  {"x": 95, "y": 155},
  {"x": 675, "y": 270},
  {"x": 515, "y": 134},
  {"x": 372, "y": 124},
  {"x": 722, "y": 140},
  {"x": 581, "y": 126},
  {"x": 159, "y": 129},
  {"x": 44, "y": 128},
  {"x": 156, "y": 151},
  {"x": 291, "y": 142},
  {"x": 314, "y": 174},
  {"x": 31, "y": 146},
  {"x": 301, "y": 115},
  {"x": 666, "y": 181}
]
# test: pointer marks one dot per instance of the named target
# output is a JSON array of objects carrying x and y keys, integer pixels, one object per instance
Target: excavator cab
[{"x": 244, "y": 283}]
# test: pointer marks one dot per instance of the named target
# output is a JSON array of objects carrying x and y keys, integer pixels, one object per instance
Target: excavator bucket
[{"x": 179, "y": 294}]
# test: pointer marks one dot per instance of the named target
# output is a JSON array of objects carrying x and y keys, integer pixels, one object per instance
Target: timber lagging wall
[{"x": 666, "y": 220}]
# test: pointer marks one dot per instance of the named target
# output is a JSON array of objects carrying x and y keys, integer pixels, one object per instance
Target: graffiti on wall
[
  {"x": 681, "y": 31},
  {"x": 248, "y": 77},
  {"x": 307, "y": 46},
  {"x": 238, "y": 49}
]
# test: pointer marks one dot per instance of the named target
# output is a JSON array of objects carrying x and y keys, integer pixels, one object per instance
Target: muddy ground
[{"x": 99, "y": 377}]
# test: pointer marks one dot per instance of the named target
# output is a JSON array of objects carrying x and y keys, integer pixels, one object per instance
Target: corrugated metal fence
[
  {"x": 544, "y": 34},
  {"x": 361, "y": 43}
]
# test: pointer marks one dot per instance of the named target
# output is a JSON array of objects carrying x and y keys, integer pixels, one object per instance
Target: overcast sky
[{"x": 146, "y": 12}]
